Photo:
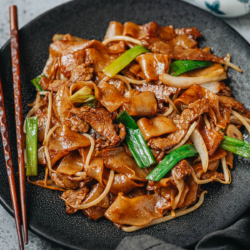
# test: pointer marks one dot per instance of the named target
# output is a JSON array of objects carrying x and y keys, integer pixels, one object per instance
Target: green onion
[
  {"x": 122, "y": 61},
  {"x": 179, "y": 67},
  {"x": 90, "y": 104},
  {"x": 170, "y": 160},
  {"x": 236, "y": 146},
  {"x": 36, "y": 82},
  {"x": 135, "y": 141},
  {"x": 31, "y": 145},
  {"x": 83, "y": 95}
]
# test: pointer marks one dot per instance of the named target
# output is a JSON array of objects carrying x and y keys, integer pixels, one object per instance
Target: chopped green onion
[
  {"x": 83, "y": 95},
  {"x": 122, "y": 61},
  {"x": 135, "y": 141},
  {"x": 170, "y": 160},
  {"x": 238, "y": 147},
  {"x": 181, "y": 66},
  {"x": 36, "y": 82},
  {"x": 90, "y": 104},
  {"x": 31, "y": 145}
]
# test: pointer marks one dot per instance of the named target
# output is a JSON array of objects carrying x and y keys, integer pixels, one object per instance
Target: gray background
[{"x": 28, "y": 10}]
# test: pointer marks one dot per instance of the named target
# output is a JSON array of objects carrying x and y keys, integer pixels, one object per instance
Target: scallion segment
[
  {"x": 181, "y": 66},
  {"x": 238, "y": 147},
  {"x": 122, "y": 61},
  {"x": 31, "y": 145},
  {"x": 170, "y": 160},
  {"x": 135, "y": 141},
  {"x": 36, "y": 82}
]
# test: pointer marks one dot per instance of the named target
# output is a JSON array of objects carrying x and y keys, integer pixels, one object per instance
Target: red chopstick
[
  {"x": 9, "y": 166},
  {"x": 18, "y": 112}
]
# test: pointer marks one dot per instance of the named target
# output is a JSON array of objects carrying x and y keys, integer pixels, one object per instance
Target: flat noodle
[
  {"x": 242, "y": 119},
  {"x": 121, "y": 38},
  {"x": 167, "y": 217},
  {"x": 188, "y": 134},
  {"x": 100, "y": 198}
]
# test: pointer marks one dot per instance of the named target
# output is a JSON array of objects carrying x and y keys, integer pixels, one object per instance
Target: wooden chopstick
[
  {"x": 18, "y": 112},
  {"x": 9, "y": 166}
]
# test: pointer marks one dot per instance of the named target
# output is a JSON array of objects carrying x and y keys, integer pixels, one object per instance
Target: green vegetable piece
[
  {"x": 135, "y": 141},
  {"x": 170, "y": 160},
  {"x": 238, "y": 147},
  {"x": 83, "y": 95},
  {"x": 179, "y": 67},
  {"x": 36, "y": 82},
  {"x": 122, "y": 61},
  {"x": 31, "y": 145}
]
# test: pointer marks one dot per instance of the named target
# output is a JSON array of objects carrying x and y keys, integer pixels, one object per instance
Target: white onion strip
[
  {"x": 242, "y": 119},
  {"x": 167, "y": 217},
  {"x": 185, "y": 82},
  {"x": 200, "y": 146},
  {"x": 180, "y": 186},
  {"x": 212, "y": 86},
  {"x": 121, "y": 38},
  {"x": 99, "y": 199},
  {"x": 226, "y": 171},
  {"x": 188, "y": 134}
]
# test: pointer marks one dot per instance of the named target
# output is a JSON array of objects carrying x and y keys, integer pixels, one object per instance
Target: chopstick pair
[{"x": 19, "y": 133}]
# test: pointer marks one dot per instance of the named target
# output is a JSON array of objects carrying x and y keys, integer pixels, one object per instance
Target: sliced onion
[
  {"x": 207, "y": 122},
  {"x": 185, "y": 82},
  {"x": 212, "y": 86},
  {"x": 167, "y": 217},
  {"x": 91, "y": 150},
  {"x": 200, "y": 146},
  {"x": 226, "y": 171},
  {"x": 121, "y": 38},
  {"x": 242, "y": 119},
  {"x": 188, "y": 134}
]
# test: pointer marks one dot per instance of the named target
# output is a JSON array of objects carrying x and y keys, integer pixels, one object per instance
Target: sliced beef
[
  {"x": 193, "y": 111},
  {"x": 76, "y": 124},
  {"x": 75, "y": 197},
  {"x": 64, "y": 182},
  {"x": 181, "y": 169},
  {"x": 160, "y": 91},
  {"x": 101, "y": 122},
  {"x": 81, "y": 72},
  {"x": 225, "y": 100},
  {"x": 179, "y": 53}
]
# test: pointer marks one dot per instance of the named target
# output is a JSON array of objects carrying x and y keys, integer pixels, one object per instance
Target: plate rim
[{"x": 65, "y": 245}]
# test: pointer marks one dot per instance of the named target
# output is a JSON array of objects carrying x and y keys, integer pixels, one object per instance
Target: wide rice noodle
[
  {"x": 99, "y": 199},
  {"x": 121, "y": 38},
  {"x": 167, "y": 217},
  {"x": 188, "y": 134}
]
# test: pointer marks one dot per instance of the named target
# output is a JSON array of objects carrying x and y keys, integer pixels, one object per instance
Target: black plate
[{"x": 89, "y": 19}]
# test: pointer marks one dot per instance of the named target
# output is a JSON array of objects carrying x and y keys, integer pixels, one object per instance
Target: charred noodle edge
[{"x": 167, "y": 217}]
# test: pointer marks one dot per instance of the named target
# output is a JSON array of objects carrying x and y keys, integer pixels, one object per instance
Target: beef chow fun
[{"x": 130, "y": 128}]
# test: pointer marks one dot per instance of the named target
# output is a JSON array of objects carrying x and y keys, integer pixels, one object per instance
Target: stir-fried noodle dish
[{"x": 131, "y": 127}]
